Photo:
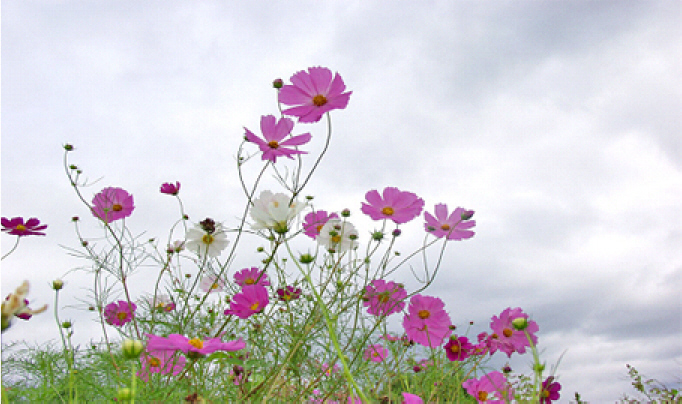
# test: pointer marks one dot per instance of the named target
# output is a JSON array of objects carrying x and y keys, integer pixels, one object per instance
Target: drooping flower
[
  {"x": 427, "y": 322},
  {"x": 212, "y": 284},
  {"x": 384, "y": 298},
  {"x": 394, "y": 204},
  {"x": 338, "y": 236},
  {"x": 17, "y": 227},
  {"x": 390, "y": 338},
  {"x": 289, "y": 293},
  {"x": 491, "y": 388},
  {"x": 412, "y": 399},
  {"x": 274, "y": 131},
  {"x": 275, "y": 211},
  {"x": 251, "y": 276},
  {"x": 175, "y": 247},
  {"x": 161, "y": 303},
  {"x": 251, "y": 300},
  {"x": 375, "y": 353},
  {"x": 192, "y": 346},
  {"x": 454, "y": 227},
  {"x": 16, "y": 305},
  {"x": 550, "y": 391},
  {"x": 170, "y": 189},
  {"x": 314, "y": 93},
  {"x": 458, "y": 348},
  {"x": 506, "y": 337},
  {"x": 112, "y": 204},
  {"x": 207, "y": 238},
  {"x": 119, "y": 313},
  {"x": 164, "y": 362},
  {"x": 314, "y": 221}
]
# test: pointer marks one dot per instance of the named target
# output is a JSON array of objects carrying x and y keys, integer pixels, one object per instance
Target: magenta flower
[
  {"x": 550, "y": 391},
  {"x": 490, "y": 388},
  {"x": 119, "y": 313},
  {"x": 17, "y": 227},
  {"x": 193, "y": 346},
  {"x": 249, "y": 277},
  {"x": 164, "y": 362},
  {"x": 399, "y": 206},
  {"x": 427, "y": 322},
  {"x": 330, "y": 370},
  {"x": 170, "y": 189},
  {"x": 384, "y": 298},
  {"x": 112, "y": 204},
  {"x": 314, "y": 93},
  {"x": 458, "y": 348},
  {"x": 412, "y": 399},
  {"x": 453, "y": 227},
  {"x": 375, "y": 353},
  {"x": 508, "y": 339},
  {"x": 251, "y": 300},
  {"x": 23, "y": 314},
  {"x": 314, "y": 221},
  {"x": 274, "y": 131},
  {"x": 289, "y": 293}
]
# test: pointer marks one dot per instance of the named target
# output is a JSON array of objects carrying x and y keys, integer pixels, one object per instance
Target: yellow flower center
[
  {"x": 424, "y": 314},
  {"x": 454, "y": 348},
  {"x": 250, "y": 281},
  {"x": 544, "y": 394},
  {"x": 207, "y": 239},
  {"x": 507, "y": 332},
  {"x": 388, "y": 211},
  {"x": 319, "y": 227},
  {"x": 482, "y": 396},
  {"x": 215, "y": 285},
  {"x": 445, "y": 227},
  {"x": 117, "y": 207},
  {"x": 273, "y": 144},
  {"x": 154, "y": 362},
  {"x": 255, "y": 306},
  {"x": 21, "y": 227},
  {"x": 196, "y": 342},
  {"x": 336, "y": 239},
  {"x": 122, "y": 315},
  {"x": 319, "y": 100},
  {"x": 383, "y": 297},
  {"x": 375, "y": 353}
]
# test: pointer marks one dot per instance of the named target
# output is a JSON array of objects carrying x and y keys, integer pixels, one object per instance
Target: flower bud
[
  {"x": 467, "y": 214},
  {"x": 124, "y": 394},
  {"x": 345, "y": 213},
  {"x": 397, "y": 232},
  {"x": 132, "y": 348},
  {"x": 377, "y": 235},
  {"x": 67, "y": 324},
  {"x": 520, "y": 323},
  {"x": 277, "y": 83},
  {"x": 306, "y": 259},
  {"x": 68, "y": 147},
  {"x": 57, "y": 284}
]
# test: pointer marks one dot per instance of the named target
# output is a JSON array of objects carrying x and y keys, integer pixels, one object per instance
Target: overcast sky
[{"x": 558, "y": 122}]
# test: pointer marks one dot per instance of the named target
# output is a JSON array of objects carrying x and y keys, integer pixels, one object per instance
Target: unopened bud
[
  {"x": 124, "y": 394},
  {"x": 277, "y": 83},
  {"x": 520, "y": 323},
  {"x": 57, "y": 284},
  {"x": 345, "y": 213},
  {"x": 132, "y": 348},
  {"x": 467, "y": 214}
]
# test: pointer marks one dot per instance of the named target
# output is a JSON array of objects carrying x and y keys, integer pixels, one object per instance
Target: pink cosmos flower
[
  {"x": 289, "y": 293},
  {"x": 458, "y": 348},
  {"x": 249, "y": 277},
  {"x": 251, "y": 300},
  {"x": 112, "y": 204},
  {"x": 550, "y": 391},
  {"x": 453, "y": 227},
  {"x": 329, "y": 370},
  {"x": 164, "y": 362},
  {"x": 412, "y": 399},
  {"x": 193, "y": 346},
  {"x": 399, "y": 206},
  {"x": 384, "y": 298},
  {"x": 212, "y": 284},
  {"x": 314, "y": 221},
  {"x": 314, "y": 93},
  {"x": 490, "y": 389},
  {"x": 508, "y": 339},
  {"x": 375, "y": 353},
  {"x": 119, "y": 313},
  {"x": 426, "y": 322},
  {"x": 274, "y": 131},
  {"x": 17, "y": 227},
  {"x": 170, "y": 189}
]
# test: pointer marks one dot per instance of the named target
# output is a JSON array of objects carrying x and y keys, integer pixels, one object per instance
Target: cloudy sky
[{"x": 558, "y": 122}]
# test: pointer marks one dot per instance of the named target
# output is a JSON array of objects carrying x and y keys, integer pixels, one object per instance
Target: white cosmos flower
[
  {"x": 338, "y": 236},
  {"x": 275, "y": 211},
  {"x": 206, "y": 238}
]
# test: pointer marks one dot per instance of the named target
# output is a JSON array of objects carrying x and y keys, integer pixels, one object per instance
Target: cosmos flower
[
  {"x": 192, "y": 346},
  {"x": 427, "y": 322},
  {"x": 274, "y": 131},
  {"x": 119, "y": 313},
  {"x": 112, "y": 204},
  {"x": 491, "y": 388},
  {"x": 163, "y": 362},
  {"x": 314, "y": 221},
  {"x": 207, "y": 238},
  {"x": 16, "y": 305},
  {"x": 251, "y": 300},
  {"x": 248, "y": 276},
  {"x": 453, "y": 227},
  {"x": 161, "y": 303},
  {"x": 212, "y": 284},
  {"x": 338, "y": 236},
  {"x": 289, "y": 293},
  {"x": 458, "y": 348},
  {"x": 550, "y": 391},
  {"x": 375, "y": 353},
  {"x": 394, "y": 204},
  {"x": 275, "y": 211},
  {"x": 314, "y": 93},
  {"x": 384, "y": 298},
  {"x": 412, "y": 399},
  {"x": 506, "y": 337},
  {"x": 17, "y": 227},
  {"x": 170, "y": 189}
]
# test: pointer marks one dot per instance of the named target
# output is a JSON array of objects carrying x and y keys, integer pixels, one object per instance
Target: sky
[{"x": 557, "y": 122}]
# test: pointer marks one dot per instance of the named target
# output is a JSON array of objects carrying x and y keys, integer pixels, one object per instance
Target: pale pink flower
[
  {"x": 453, "y": 227},
  {"x": 375, "y": 353},
  {"x": 272, "y": 144},
  {"x": 394, "y": 204},
  {"x": 112, "y": 204}
]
